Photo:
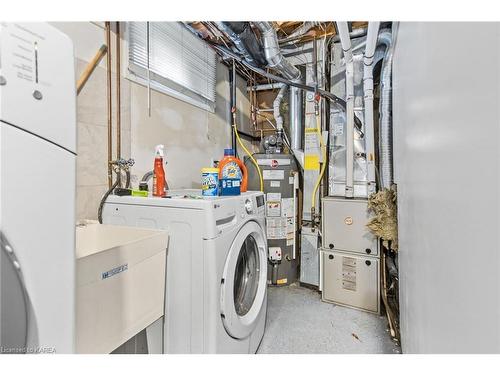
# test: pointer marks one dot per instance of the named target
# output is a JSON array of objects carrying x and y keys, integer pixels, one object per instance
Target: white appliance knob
[
  {"x": 8, "y": 249},
  {"x": 16, "y": 264},
  {"x": 249, "y": 206}
]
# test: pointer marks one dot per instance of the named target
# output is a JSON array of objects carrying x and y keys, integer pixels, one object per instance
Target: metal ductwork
[
  {"x": 385, "y": 109},
  {"x": 300, "y": 31},
  {"x": 278, "y": 62},
  {"x": 295, "y": 112},
  {"x": 244, "y": 39},
  {"x": 345, "y": 40},
  {"x": 368, "y": 59},
  {"x": 272, "y": 51}
]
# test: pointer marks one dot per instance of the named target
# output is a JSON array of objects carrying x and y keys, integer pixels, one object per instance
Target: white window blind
[{"x": 180, "y": 64}]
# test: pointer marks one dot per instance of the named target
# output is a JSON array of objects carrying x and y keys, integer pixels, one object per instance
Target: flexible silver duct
[
  {"x": 385, "y": 109},
  {"x": 277, "y": 61},
  {"x": 300, "y": 31},
  {"x": 277, "y": 105},
  {"x": 274, "y": 57}
]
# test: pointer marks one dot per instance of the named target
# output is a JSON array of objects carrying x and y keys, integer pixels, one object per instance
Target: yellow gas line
[
  {"x": 323, "y": 165},
  {"x": 248, "y": 153}
]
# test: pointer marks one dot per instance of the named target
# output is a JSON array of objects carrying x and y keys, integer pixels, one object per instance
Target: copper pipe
[
  {"x": 118, "y": 96},
  {"x": 89, "y": 69},
  {"x": 109, "y": 103}
]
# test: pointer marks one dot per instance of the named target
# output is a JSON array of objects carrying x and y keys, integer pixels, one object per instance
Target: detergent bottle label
[{"x": 231, "y": 170}]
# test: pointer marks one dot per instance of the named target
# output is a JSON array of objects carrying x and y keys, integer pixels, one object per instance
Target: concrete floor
[{"x": 298, "y": 322}]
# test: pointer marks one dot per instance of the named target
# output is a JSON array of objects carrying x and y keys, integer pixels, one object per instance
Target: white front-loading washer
[{"x": 216, "y": 298}]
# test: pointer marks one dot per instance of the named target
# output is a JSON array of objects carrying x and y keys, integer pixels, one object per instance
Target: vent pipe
[
  {"x": 385, "y": 109},
  {"x": 301, "y": 31},
  {"x": 368, "y": 60},
  {"x": 274, "y": 57},
  {"x": 277, "y": 105},
  {"x": 278, "y": 62}
]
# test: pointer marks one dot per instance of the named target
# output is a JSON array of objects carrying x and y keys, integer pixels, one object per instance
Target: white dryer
[
  {"x": 216, "y": 297},
  {"x": 37, "y": 189}
]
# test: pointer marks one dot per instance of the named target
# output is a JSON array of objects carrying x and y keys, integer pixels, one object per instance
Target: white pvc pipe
[
  {"x": 345, "y": 40},
  {"x": 371, "y": 43}
]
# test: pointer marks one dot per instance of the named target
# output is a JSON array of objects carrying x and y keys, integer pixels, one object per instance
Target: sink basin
[{"x": 120, "y": 284}]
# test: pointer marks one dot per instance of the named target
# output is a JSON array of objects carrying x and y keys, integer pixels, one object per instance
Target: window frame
[{"x": 138, "y": 74}]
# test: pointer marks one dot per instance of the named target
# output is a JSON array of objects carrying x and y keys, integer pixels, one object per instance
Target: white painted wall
[
  {"x": 87, "y": 38},
  {"x": 192, "y": 136},
  {"x": 446, "y": 124},
  {"x": 91, "y": 162}
]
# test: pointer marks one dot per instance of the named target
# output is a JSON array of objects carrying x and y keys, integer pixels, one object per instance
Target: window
[{"x": 180, "y": 64}]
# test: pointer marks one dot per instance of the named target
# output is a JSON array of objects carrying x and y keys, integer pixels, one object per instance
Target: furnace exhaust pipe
[{"x": 371, "y": 42}]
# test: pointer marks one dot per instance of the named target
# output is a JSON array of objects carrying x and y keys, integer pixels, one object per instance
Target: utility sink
[{"x": 120, "y": 284}]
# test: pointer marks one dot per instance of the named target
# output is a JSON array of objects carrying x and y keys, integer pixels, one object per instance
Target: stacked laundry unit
[{"x": 350, "y": 255}]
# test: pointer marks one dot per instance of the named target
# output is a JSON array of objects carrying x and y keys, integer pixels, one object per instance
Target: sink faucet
[{"x": 148, "y": 175}]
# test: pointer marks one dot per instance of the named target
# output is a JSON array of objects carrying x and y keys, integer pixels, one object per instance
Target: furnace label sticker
[
  {"x": 276, "y": 228},
  {"x": 275, "y": 184},
  {"x": 273, "y": 209},
  {"x": 287, "y": 207},
  {"x": 311, "y": 141},
  {"x": 349, "y": 273},
  {"x": 276, "y": 197},
  {"x": 288, "y": 212},
  {"x": 276, "y": 174}
]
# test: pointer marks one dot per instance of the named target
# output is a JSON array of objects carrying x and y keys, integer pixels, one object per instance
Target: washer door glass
[
  {"x": 244, "y": 282},
  {"x": 246, "y": 277}
]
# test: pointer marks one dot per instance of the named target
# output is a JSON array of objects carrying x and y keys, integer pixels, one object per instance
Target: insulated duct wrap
[
  {"x": 245, "y": 41},
  {"x": 384, "y": 220}
]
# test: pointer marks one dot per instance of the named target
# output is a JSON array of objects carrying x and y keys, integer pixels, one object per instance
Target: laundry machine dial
[{"x": 249, "y": 206}]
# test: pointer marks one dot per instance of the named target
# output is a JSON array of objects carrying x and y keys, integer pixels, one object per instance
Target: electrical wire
[{"x": 248, "y": 152}]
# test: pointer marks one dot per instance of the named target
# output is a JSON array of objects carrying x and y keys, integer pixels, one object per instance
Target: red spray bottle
[{"x": 159, "y": 177}]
